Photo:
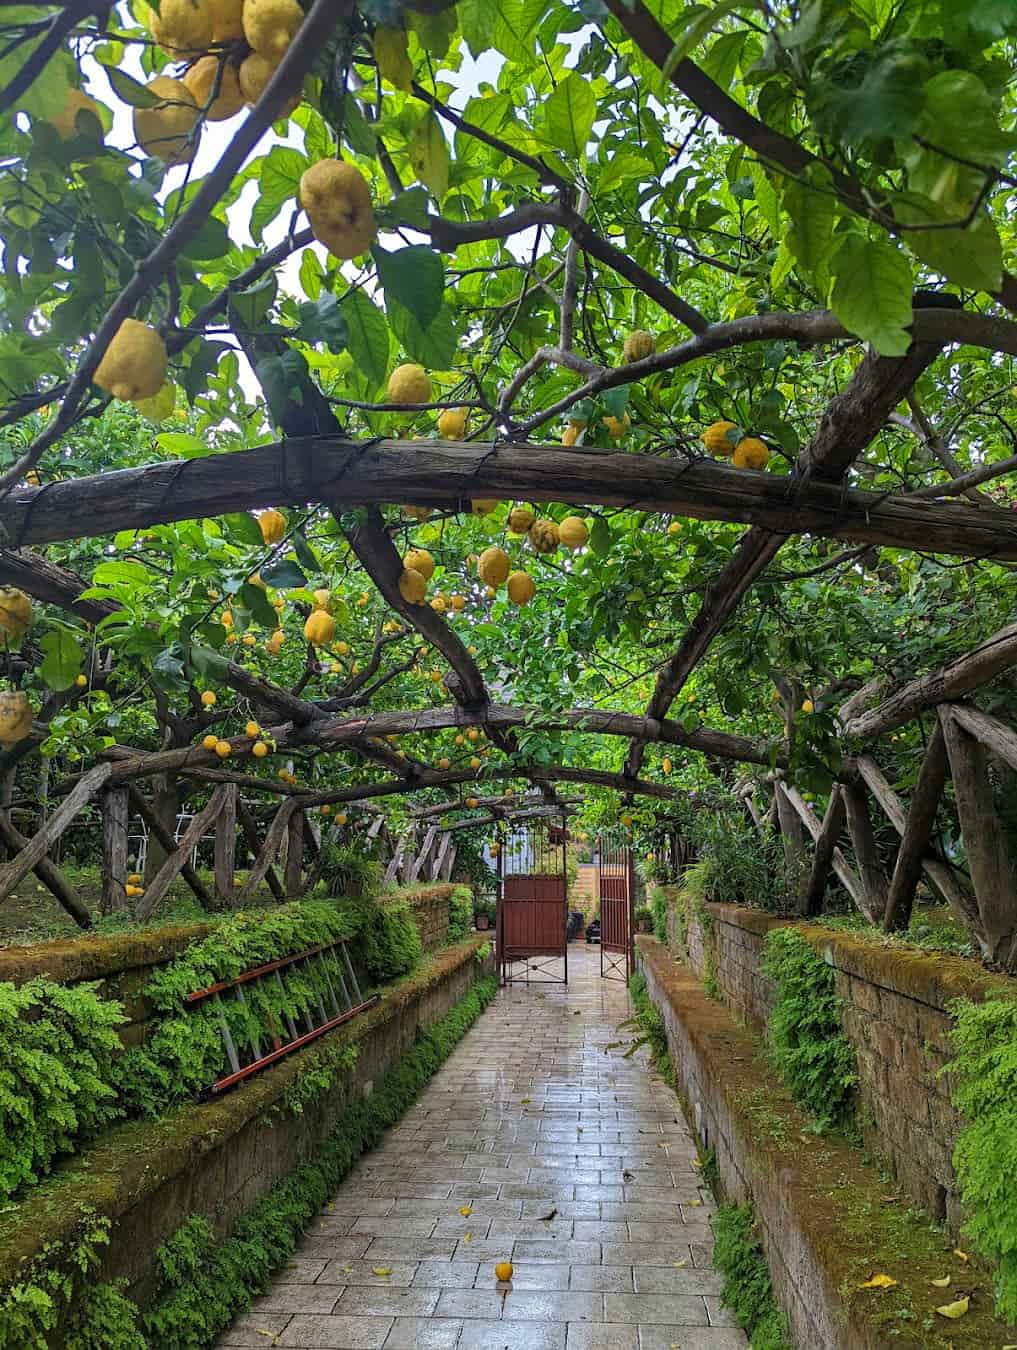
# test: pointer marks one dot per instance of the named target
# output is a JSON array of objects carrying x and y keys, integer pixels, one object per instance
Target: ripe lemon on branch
[
  {"x": 720, "y": 438},
  {"x": 751, "y": 453},
  {"x": 271, "y": 25},
  {"x": 134, "y": 364},
  {"x": 409, "y": 384},
  {"x": 544, "y": 536},
  {"x": 420, "y": 561},
  {"x": 493, "y": 566},
  {"x": 412, "y": 586},
  {"x": 165, "y": 128},
  {"x": 638, "y": 345},
  {"x": 337, "y": 200},
  {"x": 183, "y": 25},
  {"x": 319, "y": 629},
  {"x": 203, "y": 78},
  {"x": 452, "y": 424},
  {"x": 521, "y": 588}
]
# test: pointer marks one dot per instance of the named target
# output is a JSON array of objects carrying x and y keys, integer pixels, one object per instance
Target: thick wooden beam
[
  {"x": 295, "y": 839},
  {"x": 45, "y": 581},
  {"x": 273, "y": 842},
  {"x": 443, "y": 473},
  {"x": 917, "y": 834},
  {"x": 155, "y": 826},
  {"x": 822, "y": 861},
  {"x": 250, "y": 828},
  {"x": 849, "y": 424},
  {"x": 114, "y": 849},
  {"x": 28, "y": 857},
  {"x": 845, "y": 872},
  {"x": 992, "y": 873},
  {"x": 48, "y": 873},
  {"x": 790, "y": 829},
  {"x": 226, "y": 844},
  {"x": 939, "y": 872},
  {"x": 378, "y": 556},
  {"x": 950, "y": 682},
  {"x": 993, "y": 734},
  {"x": 863, "y": 841},
  {"x": 174, "y": 863}
]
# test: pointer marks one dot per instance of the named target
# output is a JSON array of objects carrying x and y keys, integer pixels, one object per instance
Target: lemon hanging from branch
[{"x": 429, "y": 155}]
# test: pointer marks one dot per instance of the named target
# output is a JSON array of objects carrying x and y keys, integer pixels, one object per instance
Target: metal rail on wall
[
  {"x": 531, "y": 925},
  {"x": 616, "y": 888},
  {"x": 337, "y": 999}
]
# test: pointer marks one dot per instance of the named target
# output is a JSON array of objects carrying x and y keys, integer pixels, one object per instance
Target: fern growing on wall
[
  {"x": 811, "y": 1052},
  {"x": 984, "y": 1074}
]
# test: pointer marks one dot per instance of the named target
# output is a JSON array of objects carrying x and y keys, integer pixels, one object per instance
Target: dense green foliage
[
  {"x": 460, "y": 921},
  {"x": 648, "y": 1023},
  {"x": 658, "y": 909},
  {"x": 804, "y": 1032},
  {"x": 349, "y": 871},
  {"x": 983, "y": 1077},
  {"x": 388, "y": 940},
  {"x": 56, "y": 1074},
  {"x": 738, "y": 1255}
]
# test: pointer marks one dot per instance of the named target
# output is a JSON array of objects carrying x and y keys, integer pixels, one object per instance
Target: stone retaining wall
[
  {"x": 219, "y": 1158},
  {"x": 895, "y": 1014}
]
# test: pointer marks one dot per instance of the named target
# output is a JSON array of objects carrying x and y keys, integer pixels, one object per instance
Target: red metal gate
[
  {"x": 615, "y": 888},
  {"x": 532, "y": 916}
]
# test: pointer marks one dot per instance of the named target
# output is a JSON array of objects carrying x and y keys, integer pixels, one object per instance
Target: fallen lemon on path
[{"x": 503, "y": 1271}]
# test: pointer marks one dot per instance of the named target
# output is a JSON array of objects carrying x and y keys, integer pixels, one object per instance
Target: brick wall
[
  {"x": 430, "y": 906},
  {"x": 895, "y": 1014}
]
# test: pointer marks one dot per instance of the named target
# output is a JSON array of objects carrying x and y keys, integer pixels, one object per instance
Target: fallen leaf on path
[
  {"x": 524, "y": 1101},
  {"x": 954, "y": 1310},
  {"x": 381, "y": 1270},
  {"x": 879, "y": 1282},
  {"x": 679, "y": 1265},
  {"x": 693, "y": 1202},
  {"x": 466, "y": 1211},
  {"x": 467, "y": 1237},
  {"x": 944, "y": 1283}
]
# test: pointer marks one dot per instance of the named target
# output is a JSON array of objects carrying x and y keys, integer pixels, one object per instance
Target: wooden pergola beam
[
  {"x": 446, "y": 474},
  {"x": 950, "y": 682},
  {"x": 851, "y": 421}
]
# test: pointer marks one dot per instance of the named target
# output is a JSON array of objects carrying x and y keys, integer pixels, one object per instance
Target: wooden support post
[
  {"x": 295, "y": 836},
  {"x": 47, "y": 872},
  {"x": 991, "y": 870},
  {"x": 114, "y": 850},
  {"x": 269, "y": 849},
  {"x": 826, "y": 843},
  {"x": 790, "y": 828},
  {"x": 863, "y": 840},
  {"x": 175, "y": 862},
  {"x": 917, "y": 833},
  {"x": 226, "y": 844},
  {"x": 29, "y": 854},
  {"x": 845, "y": 872},
  {"x": 418, "y": 862},
  {"x": 168, "y": 844},
  {"x": 939, "y": 873},
  {"x": 438, "y": 862},
  {"x": 250, "y": 828}
]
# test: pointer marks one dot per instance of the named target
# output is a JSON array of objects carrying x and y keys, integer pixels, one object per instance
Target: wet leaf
[
  {"x": 466, "y": 1211},
  {"x": 467, "y": 1237},
  {"x": 381, "y": 1270},
  {"x": 879, "y": 1282},
  {"x": 944, "y": 1283},
  {"x": 955, "y": 1310}
]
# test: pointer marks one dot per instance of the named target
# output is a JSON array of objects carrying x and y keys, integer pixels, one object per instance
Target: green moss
[
  {"x": 460, "y": 918},
  {"x": 984, "y": 1073},
  {"x": 738, "y": 1255},
  {"x": 804, "y": 1032},
  {"x": 388, "y": 938},
  {"x": 658, "y": 911}
]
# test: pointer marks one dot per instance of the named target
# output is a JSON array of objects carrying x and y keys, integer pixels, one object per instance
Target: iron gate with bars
[
  {"x": 531, "y": 925},
  {"x": 615, "y": 889}
]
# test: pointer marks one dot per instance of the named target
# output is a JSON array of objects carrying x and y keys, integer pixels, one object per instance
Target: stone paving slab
[{"x": 569, "y": 1160}]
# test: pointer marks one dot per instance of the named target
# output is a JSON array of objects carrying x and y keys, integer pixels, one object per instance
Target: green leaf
[
  {"x": 971, "y": 255},
  {"x": 367, "y": 336},
  {"x": 61, "y": 663},
  {"x": 698, "y": 25},
  {"x": 305, "y": 554},
  {"x": 357, "y": 131},
  {"x": 962, "y": 118},
  {"x": 122, "y": 574},
  {"x": 600, "y": 537},
  {"x": 211, "y": 241},
  {"x": 207, "y": 664},
  {"x": 406, "y": 208},
  {"x": 569, "y": 115},
  {"x": 283, "y": 379},
  {"x": 284, "y": 575},
  {"x": 182, "y": 445},
  {"x": 813, "y": 212},
  {"x": 621, "y": 168},
  {"x": 244, "y": 528},
  {"x": 428, "y": 151},
  {"x": 312, "y": 276},
  {"x": 129, "y": 90},
  {"x": 872, "y": 293},
  {"x": 414, "y": 278},
  {"x": 322, "y": 321},
  {"x": 279, "y": 175},
  {"x": 433, "y": 346},
  {"x": 255, "y": 599}
]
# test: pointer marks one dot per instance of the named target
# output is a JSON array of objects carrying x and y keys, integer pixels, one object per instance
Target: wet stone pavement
[{"x": 573, "y": 1163}]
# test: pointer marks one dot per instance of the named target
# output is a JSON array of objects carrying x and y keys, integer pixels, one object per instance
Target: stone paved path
[{"x": 574, "y": 1163}]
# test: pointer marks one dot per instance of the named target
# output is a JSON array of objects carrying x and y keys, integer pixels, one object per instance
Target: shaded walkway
[{"x": 575, "y": 1164}]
